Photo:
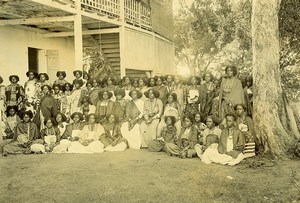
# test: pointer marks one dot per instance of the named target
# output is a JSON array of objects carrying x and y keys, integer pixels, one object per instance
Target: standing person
[
  {"x": 153, "y": 108},
  {"x": 87, "y": 107},
  {"x": 78, "y": 76},
  {"x": 30, "y": 90},
  {"x": 207, "y": 94},
  {"x": 134, "y": 113},
  {"x": 86, "y": 77},
  {"x": 43, "y": 79},
  {"x": 248, "y": 91},
  {"x": 184, "y": 146},
  {"x": 87, "y": 90},
  {"x": 89, "y": 138},
  {"x": 76, "y": 96},
  {"x": 127, "y": 86},
  {"x": 2, "y": 108},
  {"x": 60, "y": 98},
  {"x": 61, "y": 75},
  {"x": 232, "y": 141},
  {"x": 15, "y": 93},
  {"x": 245, "y": 124},
  {"x": 231, "y": 92},
  {"x": 151, "y": 83},
  {"x": 47, "y": 107},
  {"x": 142, "y": 87},
  {"x": 104, "y": 105},
  {"x": 161, "y": 88},
  {"x": 108, "y": 84},
  {"x": 216, "y": 101},
  {"x": 95, "y": 91},
  {"x": 119, "y": 106},
  {"x": 170, "y": 84},
  {"x": 26, "y": 133},
  {"x": 112, "y": 138},
  {"x": 192, "y": 95},
  {"x": 168, "y": 134},
  {"x": 179, "y": 90},
  {"x": 172, "y": 108},
  {"x": 68, "y": 88}
]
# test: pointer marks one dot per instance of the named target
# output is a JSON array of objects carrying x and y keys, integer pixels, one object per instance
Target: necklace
[{"x": 228, "y": 85}]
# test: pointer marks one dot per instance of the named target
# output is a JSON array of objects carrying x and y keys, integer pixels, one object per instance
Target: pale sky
[{"x": 176, "y": 4}]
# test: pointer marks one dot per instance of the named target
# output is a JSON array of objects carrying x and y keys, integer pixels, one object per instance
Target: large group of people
[{"x": 200, "y": 117}]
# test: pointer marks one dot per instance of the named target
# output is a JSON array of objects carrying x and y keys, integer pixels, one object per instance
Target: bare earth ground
[{"x": 142, "y": 176}]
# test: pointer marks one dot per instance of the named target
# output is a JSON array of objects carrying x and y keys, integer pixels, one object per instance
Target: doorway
[{"x": 33, "y": 62}]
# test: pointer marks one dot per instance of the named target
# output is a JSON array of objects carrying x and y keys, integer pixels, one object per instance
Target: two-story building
[{"x": 136, "y": 36}]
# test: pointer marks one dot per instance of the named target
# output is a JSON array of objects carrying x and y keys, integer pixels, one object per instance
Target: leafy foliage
[
  {"x": 205, "y": 31},
  {"x": 99, "y": 65},
  {"x": 213, "y": 33}
]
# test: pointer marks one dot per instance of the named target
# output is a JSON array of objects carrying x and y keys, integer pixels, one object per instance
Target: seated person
[
  {"x": 11, "y": 121},
  {"x": 186, "y": 141},
  {"x": 212, "y": 129},
  {"x": 199, "y": 125},
  {"x": 50, "y": 134},
  {"x": 232, "y": 141},
  {"x": 112, "y": 138},
  {"x": 245, "y": 124},
  {"x": 212, "y": 155},
  {"x": 71, "y": 133},
  {"x": 26, "y": 134},
  {"x": 168, "y": 134},
  {"x": 89, "y": 138}
]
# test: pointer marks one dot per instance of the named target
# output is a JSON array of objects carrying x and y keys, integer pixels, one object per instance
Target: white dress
[
  {"x": 169, "y": 111},
  {"x": 64, "y": 144},
  {"x": 88, "y": 134},
  {"x": 74, "y": 101},
  {"x": 133, "y": 136}
]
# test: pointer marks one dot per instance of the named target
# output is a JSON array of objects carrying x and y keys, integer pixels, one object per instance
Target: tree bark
[{"x": 270, "y": 116}]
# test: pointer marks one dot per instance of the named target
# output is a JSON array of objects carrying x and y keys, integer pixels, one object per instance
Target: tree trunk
[{"x": 271, "y": 120}]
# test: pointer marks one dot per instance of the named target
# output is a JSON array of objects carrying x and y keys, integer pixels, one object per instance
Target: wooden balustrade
[{"x": 136, "y": 13}]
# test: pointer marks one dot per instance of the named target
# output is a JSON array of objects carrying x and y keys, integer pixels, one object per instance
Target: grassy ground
[{"x": 142, "y": 176}]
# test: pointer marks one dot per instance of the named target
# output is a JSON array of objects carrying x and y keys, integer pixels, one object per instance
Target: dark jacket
[{"x": 238, "y": 142}]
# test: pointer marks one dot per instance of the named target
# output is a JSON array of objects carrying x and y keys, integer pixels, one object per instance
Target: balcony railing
[{"x": 136, "y": 13}]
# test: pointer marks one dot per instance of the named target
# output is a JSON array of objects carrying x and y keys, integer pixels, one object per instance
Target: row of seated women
[{"x": 138, "y": 124}]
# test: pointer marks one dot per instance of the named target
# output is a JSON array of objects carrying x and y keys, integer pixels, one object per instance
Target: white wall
[
  {"x": 145, "y": 52},
  {"x": 14, "y": 43}
]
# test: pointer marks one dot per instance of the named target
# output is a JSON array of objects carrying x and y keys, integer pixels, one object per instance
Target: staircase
[{"x": 110, "y": 46}]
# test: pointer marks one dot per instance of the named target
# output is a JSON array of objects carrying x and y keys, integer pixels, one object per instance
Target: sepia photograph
[{"x": 147, "y": 101}]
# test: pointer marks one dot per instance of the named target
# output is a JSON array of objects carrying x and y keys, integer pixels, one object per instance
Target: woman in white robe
[
  {"x": 130, "y": 129},
  {"x": 89, "y": 139}
]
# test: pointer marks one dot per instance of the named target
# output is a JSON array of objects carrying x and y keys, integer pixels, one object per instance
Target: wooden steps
[{"x": 110, "y": 46}]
